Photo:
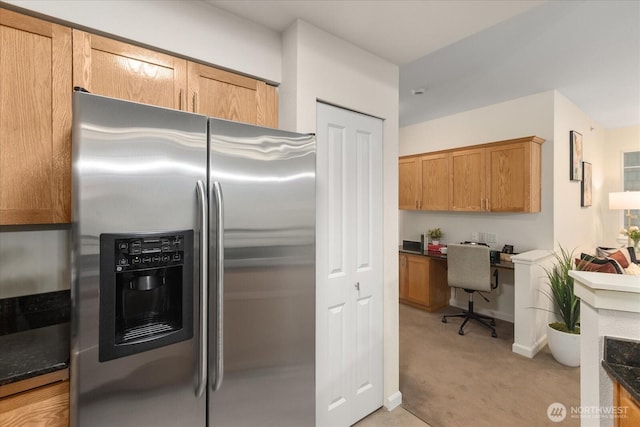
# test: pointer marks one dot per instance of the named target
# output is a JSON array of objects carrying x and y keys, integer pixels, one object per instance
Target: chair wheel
[
  {"x": 493, "y": 322},
  {"x": 444, "y": 320},
  {"x": 494, "y": 335},
  {"x": 460, "y": 332}
]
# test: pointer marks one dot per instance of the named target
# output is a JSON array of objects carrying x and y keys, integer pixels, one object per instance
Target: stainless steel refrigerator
[{"x": 193, "y": 284}]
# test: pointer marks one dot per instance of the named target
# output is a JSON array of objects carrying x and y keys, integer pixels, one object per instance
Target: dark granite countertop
[
  {"x": 443, "y": 257},
  {"x": 34, "y": 352},
  {"x": 622, "y": 361},
  {"x": 34, "y": 335}
]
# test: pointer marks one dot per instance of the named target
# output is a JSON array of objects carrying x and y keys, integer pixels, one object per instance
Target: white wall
[
  {"x": 576, "y": 227},
  {"x": 531, "y": 115},
  {"x": 617, "y": 141},
  {"x": 319, "y": 66},
  {"x": 193, "y": 29}
]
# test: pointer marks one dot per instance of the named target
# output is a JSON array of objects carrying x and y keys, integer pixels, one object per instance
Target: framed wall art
[
  {"x": 585, "y": 199},
  {"x": 575, "y": 154}
]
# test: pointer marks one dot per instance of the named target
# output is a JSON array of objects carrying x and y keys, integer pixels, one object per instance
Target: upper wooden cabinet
[
  {"x": 218, "y": 93},
  {"x": 434, "y": 193},
  {"x": 41, "y": 62},
  {"x": 514, "y": 176},
  {"x": 35, "y": 120},
  {"x": 424, "y": 182},
  {"x": 503, "y": 176},
  {"x": 409, "y": 179},
  {"x": 120, "y": 70},
  {"x": 467, "y": 180}
]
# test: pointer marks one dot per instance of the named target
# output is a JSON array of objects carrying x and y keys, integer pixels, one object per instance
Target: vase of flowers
[{"x": 633, "y": 234}]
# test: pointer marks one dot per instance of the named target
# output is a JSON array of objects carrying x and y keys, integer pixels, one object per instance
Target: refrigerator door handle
[
  {"x": 204, "y": 298},
  {"x": 219, "y": 366}
]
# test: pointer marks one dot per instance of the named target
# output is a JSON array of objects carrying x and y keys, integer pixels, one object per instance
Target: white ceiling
[{"x": 472, "y": 53}]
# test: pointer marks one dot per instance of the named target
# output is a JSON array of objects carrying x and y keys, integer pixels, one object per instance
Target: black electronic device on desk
[{"x": 408, "y": 245}]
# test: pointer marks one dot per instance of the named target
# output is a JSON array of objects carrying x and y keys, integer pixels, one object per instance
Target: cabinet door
[
  {"x": 35, "y": 120},
  {"x": 439, "y": 291},
  {"x": 434, "y": 188},
  {"x": 120, "y": 70},
  {"x": 513, "y": 177},
  {"x": 219, "y": 93},
  {"x": 624, "y": 399},
  {"x": 467, "y": 180},
  {"x": 409, "y": 183},
  {"x": 46, "y": 406},
  {"x": 418, "y": 280},
  {"x": 403, "y": 277}
]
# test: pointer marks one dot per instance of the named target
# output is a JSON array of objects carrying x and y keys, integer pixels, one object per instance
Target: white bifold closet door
[{"x": 349, "y": 347}]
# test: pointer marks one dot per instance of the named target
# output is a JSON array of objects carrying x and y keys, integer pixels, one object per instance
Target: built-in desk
[
  {"x": 423, "y": 284},
  {"x": 518, "y": 298},
  {"x": 443, "y": 257}
]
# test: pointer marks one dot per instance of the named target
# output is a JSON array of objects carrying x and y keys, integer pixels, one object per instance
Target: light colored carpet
[{"x": 450, "y": 380}]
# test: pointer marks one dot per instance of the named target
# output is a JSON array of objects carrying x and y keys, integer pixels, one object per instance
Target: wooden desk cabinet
[
  {"x": 423, "y": 282},
  {"x": 630, "y": 415}
]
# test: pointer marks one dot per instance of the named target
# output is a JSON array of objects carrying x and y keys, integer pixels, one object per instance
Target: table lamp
[{"x": 625, "y": 200}]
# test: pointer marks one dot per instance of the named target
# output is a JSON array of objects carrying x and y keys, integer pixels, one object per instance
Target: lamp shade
[{"x": 624, "y": 200}]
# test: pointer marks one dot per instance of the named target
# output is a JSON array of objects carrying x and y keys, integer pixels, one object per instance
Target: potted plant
[
  {"x": 563, "y": 337},
  {"x": 435, "y": 234}
]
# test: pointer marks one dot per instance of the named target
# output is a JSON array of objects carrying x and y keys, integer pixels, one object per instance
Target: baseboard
[
  {"x": 393, "y": 401},
  {"x": 529, "y": 352}
]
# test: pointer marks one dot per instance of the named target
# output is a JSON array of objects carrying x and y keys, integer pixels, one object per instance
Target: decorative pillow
[
  {"x": 620, "y": 257},
  {"x": 588, "y": 262},
  {"x": 629, "y": 253}
]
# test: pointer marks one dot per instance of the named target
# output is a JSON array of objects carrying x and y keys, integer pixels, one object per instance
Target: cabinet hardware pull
[
  {"x": 195, "y": 102},
  {"x": 357, "y": 285}
]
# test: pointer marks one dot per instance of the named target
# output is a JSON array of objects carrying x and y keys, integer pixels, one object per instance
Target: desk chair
[{"x": 469, "y": 268}]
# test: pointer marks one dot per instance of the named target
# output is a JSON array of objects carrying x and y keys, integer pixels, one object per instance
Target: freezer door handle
[
  {"x": 203, "y": 217},
  {"x": 219, "y": 368}
]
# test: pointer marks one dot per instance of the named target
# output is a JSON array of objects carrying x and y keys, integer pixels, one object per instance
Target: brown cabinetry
[
  {"x": 424, "y": 182},
  {"x": 120, "y": 70},
  {"x": 40, "y": 62},
  {"x": 514, "y": 176},
  {"x": 434, "y": 189},
  {"x": 423, "y": 282},
  {"x": 218, "y": 93},
  {"x": 409, "y": 183},
  {"x": 46, "y": 406},
  {"x": 125, "y": 71},
  {"x": 503, "y": 176},
  {"x": 628, "y": 408},
  {"x": 467, "y": 180},
  {"x": 35, "y": 120}
]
